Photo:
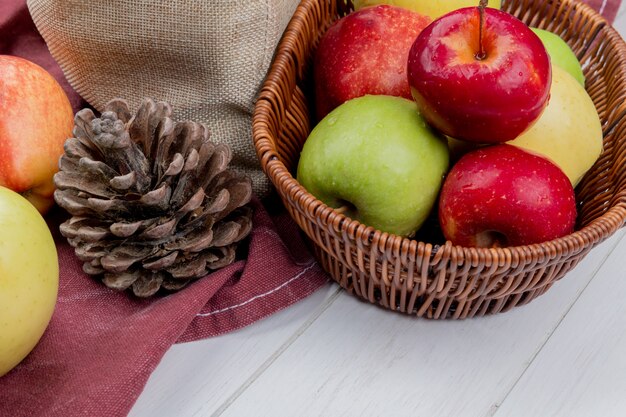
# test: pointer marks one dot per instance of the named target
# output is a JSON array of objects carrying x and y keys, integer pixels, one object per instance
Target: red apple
[
  {"x": 35, "y": 120},
  {"x": 485, "y": 85},
  {"x": 501, "y": 195},
  {"x": 363, "y": 53}
]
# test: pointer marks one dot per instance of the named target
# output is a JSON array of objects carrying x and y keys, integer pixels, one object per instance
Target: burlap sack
[{"x": 207, "y": 58}]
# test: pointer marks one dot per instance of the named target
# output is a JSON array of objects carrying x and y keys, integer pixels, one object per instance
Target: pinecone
[{"x": 153, "y": 202}]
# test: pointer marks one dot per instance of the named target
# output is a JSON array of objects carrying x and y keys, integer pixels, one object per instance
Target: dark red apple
[
  {"x": 501, "y": 195},
  {"x": 482, "y": 85},
  {"x": 363, "y": 53}
]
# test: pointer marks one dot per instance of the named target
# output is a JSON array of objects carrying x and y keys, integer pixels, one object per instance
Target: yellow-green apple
[
  {"x": 501, "y": 195},
  {"x": 561, "y": 54},
  {"x": 35, "y": 120},
  {"x": 432, "y": 8},
  {"x": 29, "y": 278},
  {"x": 481, "y": 85},
  {"x": 378, "y": 159},
  {"x": 569, "y": 131},
  {"x": 365, "y": 52}
]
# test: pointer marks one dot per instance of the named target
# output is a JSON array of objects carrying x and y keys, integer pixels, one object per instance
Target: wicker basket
[{"x": 429, "y": 278}]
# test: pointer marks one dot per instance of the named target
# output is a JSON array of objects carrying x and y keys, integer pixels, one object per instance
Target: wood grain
[
  {"x": 581, "y": 371},
  {"x": 356, "y": 360},
  {"x": 196, "y": 378}
]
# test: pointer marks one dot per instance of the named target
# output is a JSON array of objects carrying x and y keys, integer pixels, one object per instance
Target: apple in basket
[
  {"x": 569, "y": 132},
  {"x": 561, "y": 54},
  {"x": 501, "y": 195},
  {"x": 377, "y": 159},
  {"x": 479, "y": 74},
  {"x": 29, "y": 278},
  {"x": 432, "y": 8},
  {"x": 365, "y": 52},
  {"x": 35, "y": 120}
]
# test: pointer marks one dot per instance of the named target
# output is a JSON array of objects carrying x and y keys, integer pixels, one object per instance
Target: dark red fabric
[
  {"x": 19, "y": 36},
  {"x": 607, "y": 8},
  {"x": 101, "y": 346}
]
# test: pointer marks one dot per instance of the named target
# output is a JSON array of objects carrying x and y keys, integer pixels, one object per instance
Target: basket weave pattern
[{"x": 442, "y": 280}]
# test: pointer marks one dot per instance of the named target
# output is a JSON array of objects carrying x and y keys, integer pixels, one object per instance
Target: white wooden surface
[{"x": 564, "y": 354}]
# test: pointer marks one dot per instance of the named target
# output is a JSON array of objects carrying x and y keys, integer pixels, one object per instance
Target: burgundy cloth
[
  {"x": 607, "y": 8},
  {"x": 101, "y": 345}
]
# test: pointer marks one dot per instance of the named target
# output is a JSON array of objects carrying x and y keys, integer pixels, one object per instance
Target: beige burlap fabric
[{"x": 207, "y": 58}]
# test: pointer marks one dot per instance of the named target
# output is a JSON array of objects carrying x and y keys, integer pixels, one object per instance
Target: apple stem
[{"x": 481, "y": 54}]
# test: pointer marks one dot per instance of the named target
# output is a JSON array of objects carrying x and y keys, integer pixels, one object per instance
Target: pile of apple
[{"x": 429, "y": 109}]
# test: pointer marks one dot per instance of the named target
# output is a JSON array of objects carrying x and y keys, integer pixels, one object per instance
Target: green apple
[
  {"x": 561, "y": 54},
  {"x": 378, "y": 159},
  {"x": 29, "y": 278},
  {"x": 432, "y": 8},
  {"x": 569, "y": 131}
]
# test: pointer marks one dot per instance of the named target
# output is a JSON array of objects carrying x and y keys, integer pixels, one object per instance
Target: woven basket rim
[{"x": 594, "y": 232}]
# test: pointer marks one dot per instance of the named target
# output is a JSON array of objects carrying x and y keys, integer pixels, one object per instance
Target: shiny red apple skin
[
  {"x": 35, "y": 120},
  {"x": 501, "y": 195},
  {"x": 487, "y": 101},
  {"x": 363, "y": 53}
]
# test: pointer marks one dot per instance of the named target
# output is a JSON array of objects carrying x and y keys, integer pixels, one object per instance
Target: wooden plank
[
  {"x": 582, "y": 369},
  {"x": 358, "y": 360},
  {"x": 195, "y": 378}
]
